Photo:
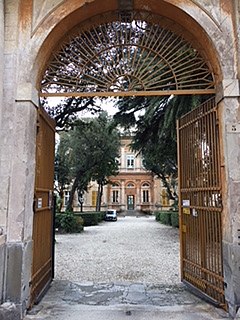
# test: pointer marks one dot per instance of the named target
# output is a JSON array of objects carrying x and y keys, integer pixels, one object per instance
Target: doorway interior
[{"x": 130, "y": 202}]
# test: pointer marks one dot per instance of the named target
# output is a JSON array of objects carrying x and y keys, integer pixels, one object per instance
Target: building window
[
  {"x": 66, "y": 197},
  {"x": 145, "y": 192},
  {"x": 130, "y": 185},
  {"x": 145, "y": 185},
  {"x": 115, "y": 185},
  {"x": 145, "y": 196},
  {"x": 115, "y": 196},
  {"x": 130, "y": 161}
]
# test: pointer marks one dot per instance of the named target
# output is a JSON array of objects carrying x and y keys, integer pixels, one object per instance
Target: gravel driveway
[{"x": 129, "y": 250}]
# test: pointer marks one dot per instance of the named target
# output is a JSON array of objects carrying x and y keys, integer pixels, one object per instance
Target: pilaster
[{"x": 229, "y": 111}]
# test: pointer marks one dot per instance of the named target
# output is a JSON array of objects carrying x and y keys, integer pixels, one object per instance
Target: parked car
[{"x": 110, "y": 214}]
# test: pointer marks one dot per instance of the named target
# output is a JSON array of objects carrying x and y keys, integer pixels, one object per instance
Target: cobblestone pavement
[{"x": 128, "y": 268}]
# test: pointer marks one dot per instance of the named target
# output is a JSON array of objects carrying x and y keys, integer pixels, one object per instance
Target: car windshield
[{"x": 110, "y": 212}]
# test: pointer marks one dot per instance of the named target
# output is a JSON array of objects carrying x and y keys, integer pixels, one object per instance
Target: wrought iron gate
[
  {"x": 200, "y": 202},
  {"x": 42, "y": 269}
]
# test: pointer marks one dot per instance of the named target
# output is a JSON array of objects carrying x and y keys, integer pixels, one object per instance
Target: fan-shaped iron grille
[{"x": 130, "y": 55}]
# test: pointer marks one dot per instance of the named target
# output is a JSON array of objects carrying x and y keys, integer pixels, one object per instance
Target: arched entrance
[
  {"x": 131, "y": 53},
  {"x": 125, "y": 54}
]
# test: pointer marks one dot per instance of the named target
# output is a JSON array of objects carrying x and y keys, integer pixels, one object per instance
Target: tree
[
  {"x": 94, "y": 148},
  {"x": 155, "y": 134},
  {"x": 62, "y": 167},
  {"x": 108, "y": 167},
  {"x": 65, "y": 112}
]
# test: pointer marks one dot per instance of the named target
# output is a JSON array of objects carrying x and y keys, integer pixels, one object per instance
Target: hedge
[
  {"x": 175, "y": 219},
  {"x": 158, "y": 215},
  {"x": 168, "y": 218},
  {"x": 90, "y": 218},
  {"x": 67, "y": 222},
  {"x": 165, "y": 217}
]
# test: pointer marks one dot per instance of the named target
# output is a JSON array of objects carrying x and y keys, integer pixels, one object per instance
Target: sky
[{"x": 107, "y": 105}]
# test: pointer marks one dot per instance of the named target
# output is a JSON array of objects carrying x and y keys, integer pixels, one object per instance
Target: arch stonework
[{"x": 29, "y": 32}]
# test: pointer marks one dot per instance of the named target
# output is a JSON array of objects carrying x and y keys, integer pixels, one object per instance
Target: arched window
[
  {"x": 145, "y": 192},
  {"x": 130, "y": 185},
  {"x": 145, "y": 184},
  {"x": 115, "y": 192},
  {"x": 115, "y": 185}
]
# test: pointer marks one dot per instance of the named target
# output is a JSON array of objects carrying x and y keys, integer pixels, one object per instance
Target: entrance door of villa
[
  {"x": 130, "y": 202},
  {"x": 200, "y": 201},
  {"x": 42, "y": 268}
]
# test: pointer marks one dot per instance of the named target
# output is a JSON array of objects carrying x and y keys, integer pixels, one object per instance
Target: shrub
[
  {"x": 157, "y": 215},
  {"x": 101, "y": 215},
  {"x": 175, "y": 219},
  {"x": 168, "y": 217},
  {"x": 68, "y": 222},
  {"x": 91, "y": 218},
  {"x": 165, "y": 217}
]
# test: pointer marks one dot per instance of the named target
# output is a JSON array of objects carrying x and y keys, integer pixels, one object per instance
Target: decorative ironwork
[
  {"x": 127, "y": 54},
  {"x": 200, "y": 201}
]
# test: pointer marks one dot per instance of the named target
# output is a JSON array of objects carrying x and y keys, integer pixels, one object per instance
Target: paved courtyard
[
  {"x": 131, "y": 249},
  {"x": 128, "y": 268}
]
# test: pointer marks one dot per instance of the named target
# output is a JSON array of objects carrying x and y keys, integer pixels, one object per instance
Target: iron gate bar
[
  {"x": 200, "y": 204},
  {"x": 128, "y": 93}
]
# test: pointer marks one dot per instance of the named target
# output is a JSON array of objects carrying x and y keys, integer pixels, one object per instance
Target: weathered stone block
[
  {"x": 231, "y": 264},
  {"x": 231, "y": 87},
  {"x": 236, "y": 272},
  {"x": 9, "y": 311},
  {"x": 2, "y": 267},
  {"x": 237, "y": 315},
  {"x": 26, "y": 273},
  {"x": 14, "y": 272},
  {"x": 227, "y": 268}
]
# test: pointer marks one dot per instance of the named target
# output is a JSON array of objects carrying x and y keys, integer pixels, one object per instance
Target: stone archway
[
  {"x": 35, "y": 28},
  {"x": 126, "y": 81},
  {"x": 181, "y": 20},
  {"x": 128, "y": 52}
]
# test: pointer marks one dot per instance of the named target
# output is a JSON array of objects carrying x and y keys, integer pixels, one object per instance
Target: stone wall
[
  {"x": 2, "y": 217},
  {"x": 1, "y": 52},
  {"x": 230, "y": 130},
  {"x": 17, "y": 158},
  {"x": 229, "y": 109}
]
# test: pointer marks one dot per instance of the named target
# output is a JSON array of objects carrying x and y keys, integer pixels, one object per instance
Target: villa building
[{"x": 134, "y": 189}]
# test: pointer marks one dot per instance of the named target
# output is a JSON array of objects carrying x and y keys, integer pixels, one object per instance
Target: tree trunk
[
  {"x": 99, "y": 196},
  {"x": 171, "y": 194},
  {"x": 75, "y": 185},
  {"x": 61, "y": 196},
  {"x": 69, "y": 206}
]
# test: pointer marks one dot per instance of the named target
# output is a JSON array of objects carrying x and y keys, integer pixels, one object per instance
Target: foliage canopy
[
  {"x": 155, "y": 129},
  {"x": 92, "y": 153}
]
